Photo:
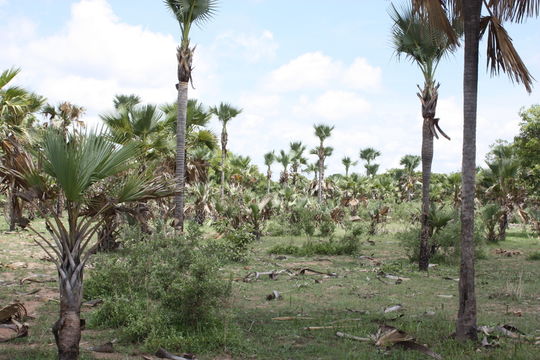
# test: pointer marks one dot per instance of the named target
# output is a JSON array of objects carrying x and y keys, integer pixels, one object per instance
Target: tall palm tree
[
  {"x": 284, "y": 159},
  {"x": 425, "y": 45},
  {"x": 347, "y": 162},
  {"x": 368, "y": 155},
  {"x": 269, "y": 159},
  {"x": 90, "y": 171},
  {"x": 187, "y": 13},
  {"x": 297, "y": 158},
  {"x": 323, "y": 132},
  {"x": 224, "y": 112},
  {"x": 501, "y": 55}
]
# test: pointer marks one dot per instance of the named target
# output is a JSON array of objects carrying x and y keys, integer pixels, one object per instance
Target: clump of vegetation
[
  {"x": 444, "y": 244},
  {"x": 534, "y": 256},
  {"x": 162, "y": 291},
  {"x": 347, "y": 245}
]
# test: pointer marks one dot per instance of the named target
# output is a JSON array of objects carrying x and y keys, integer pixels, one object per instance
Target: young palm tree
[
  {"x": 347, "y": 162},
  {"x": 187, "y": 13},
  {"x": 225, "y": 112},
  {"x": 425, "y": 45},
  {"x": 410, "y": 163},
  {"x": 297, "y": 158},
  {"x": 269, "y": 159},
  {"x": 284, "y": 159},
  {"x": 501, "y": 55},
  {"x": 323, "y": 132},
  {"x": 368, "y": 155},
  {"x": 85, "y": 169}
]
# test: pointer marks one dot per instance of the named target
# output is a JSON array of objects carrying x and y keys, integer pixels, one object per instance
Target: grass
[{"x": 508, "y": 292}]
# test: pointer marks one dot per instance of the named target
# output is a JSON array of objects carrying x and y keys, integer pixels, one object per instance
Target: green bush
[
  {"x": 444, "y": 244},
  {"x": 161, "y": 290},
  {"x": 534, "y": 256},
  {"x": 347, "y": 245}
]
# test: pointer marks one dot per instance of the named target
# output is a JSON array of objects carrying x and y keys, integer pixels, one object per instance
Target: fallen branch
[
  {"x": 164, "y": 354},
  {"x": 352, "y": 337}
]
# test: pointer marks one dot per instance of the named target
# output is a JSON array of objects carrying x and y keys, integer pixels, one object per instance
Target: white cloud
[
  {"x": 318, "y": 71},
  {"x": 96, "y": 56},
  {"x": 253, "y": 48},
  {"x": 333, "y": 106}
]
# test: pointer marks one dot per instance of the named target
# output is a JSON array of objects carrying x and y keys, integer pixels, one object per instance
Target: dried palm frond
[{"x": 501, "y": 53}]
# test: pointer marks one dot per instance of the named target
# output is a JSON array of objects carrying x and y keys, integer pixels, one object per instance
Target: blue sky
[{"x": 287, "y": 64}]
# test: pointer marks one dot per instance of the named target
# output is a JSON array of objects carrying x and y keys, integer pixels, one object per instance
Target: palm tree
[
  {"x": 501, "y": 55},
  {"x": 269, "y": 159},
  {"x": 410, "y": 163},
  {"x": 368, "y": 155},
  {"x": 225, "y": 112},
  {"x": 347, "y": 162},
  {"x": 297, "y": 158},
  {"x": 284, "y": 159},
  {"x": 17, "y": 109},
  {"x": 313, "y": 168},
  {"x": 86, "y": 169},
  {"x": 187, "y": 13},
  {"x": 425, "y": 45},
  {"x": 323, "y": 132}
]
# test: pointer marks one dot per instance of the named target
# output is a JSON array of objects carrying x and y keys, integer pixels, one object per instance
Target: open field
[{"x": 353, "y": 302}]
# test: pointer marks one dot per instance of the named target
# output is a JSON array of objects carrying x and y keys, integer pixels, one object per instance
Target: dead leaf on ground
[
  {"x": 93, "y": 303},
  {"x": 15, "y": 311},
  {"x": 508, "y": 253},
  {"x": 275, "y": 295},
  {"x": 17, "y": 265},
  {"x": 103, "y": 348},
  {"x": 285, "y": 318},
  {"x": 164, "y": 354},
  {"x": 388, "y": 336},
  {"x": 13, "y": 330},
  {"x": 393, "y": 308},
  {"x": 37, "y": 279}
]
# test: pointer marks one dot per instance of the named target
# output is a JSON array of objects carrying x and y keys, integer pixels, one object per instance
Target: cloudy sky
[{"x": 288, "y": 64}]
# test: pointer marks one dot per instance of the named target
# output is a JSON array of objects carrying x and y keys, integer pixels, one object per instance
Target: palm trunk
[
  {"x": 180, "y": 155},
  {"x": 223, "y": 157},
  {"x": 428, "y": 98},
  {"x": 268, "y": 178},
  {"x": 466, "y": 322},
  {"x": 503, "y": 224},
  {"x": 12, "y": 207},
  {"x": 321, "y": 174},
  {"x": 67, "y": 329}
]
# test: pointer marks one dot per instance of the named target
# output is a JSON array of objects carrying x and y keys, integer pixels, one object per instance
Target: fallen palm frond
[
  {"x": 387, "y": 336},
  {"x": 13, "y": 330},
  {"x": 13, "y": 311}
]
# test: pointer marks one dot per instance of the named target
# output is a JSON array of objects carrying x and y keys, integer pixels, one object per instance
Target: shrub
[
  {"x": 159, "y": 290},
  {"x": 347, "y": 245},
  {"x": 234, "y": 246},
  {"x": 444, "y": 244},
  {"x": 534, "y": 256}
]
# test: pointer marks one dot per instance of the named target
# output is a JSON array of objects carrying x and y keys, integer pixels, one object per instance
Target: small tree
[
  {"x": 92, "y": 175},
  {"x": 269, "y": 159},
  {"x": 347, "y": 162},
  {"x": 368, "y": 155},
  {"x": 322, "y": 132}
]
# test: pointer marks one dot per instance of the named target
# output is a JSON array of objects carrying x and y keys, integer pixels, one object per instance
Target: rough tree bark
[{"x": 466, "y": 322}]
